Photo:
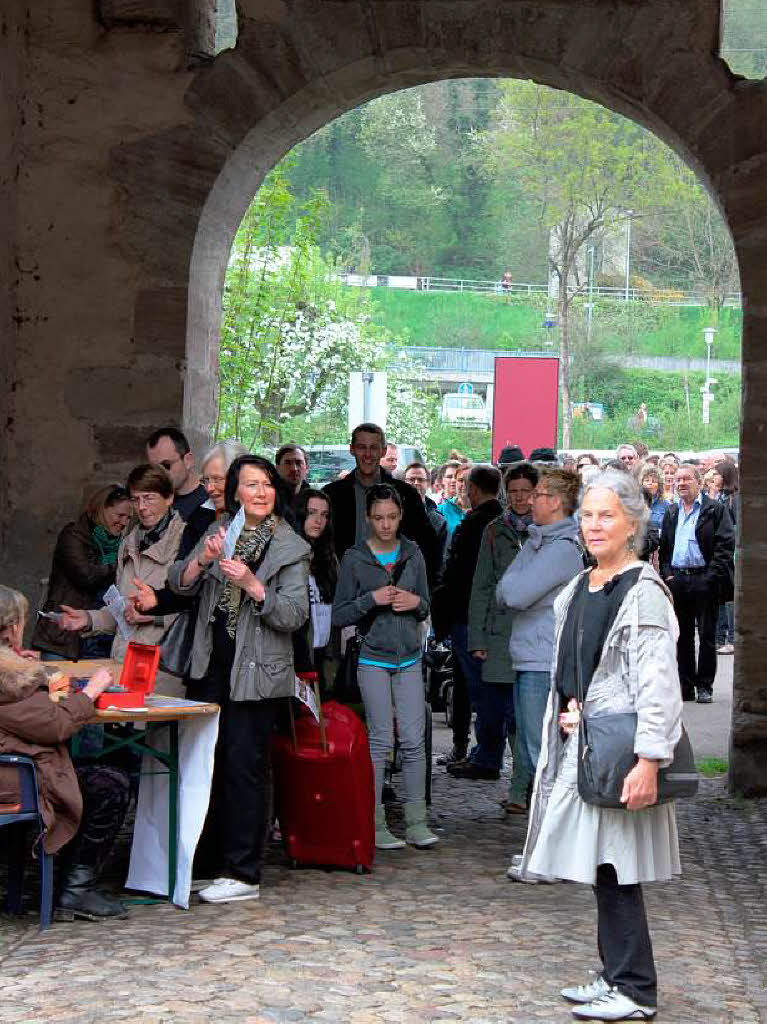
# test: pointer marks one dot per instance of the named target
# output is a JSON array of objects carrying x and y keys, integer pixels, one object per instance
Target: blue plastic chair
[{"x": 28, "y": 811}]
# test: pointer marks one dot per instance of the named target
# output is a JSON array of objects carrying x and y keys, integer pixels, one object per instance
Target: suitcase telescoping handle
[{"x": 310, "y": 679}]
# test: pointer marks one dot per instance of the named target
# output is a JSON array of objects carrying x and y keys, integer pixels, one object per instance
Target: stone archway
[{"x": 164, "y": 172}]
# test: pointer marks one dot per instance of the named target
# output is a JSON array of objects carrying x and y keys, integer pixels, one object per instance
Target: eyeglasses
[
  {"x": 214, "y": 481},
  {"x": 258, "y": 487},
  {"x": 145, "y": 499},
  {"x": 535, "y": 495}
]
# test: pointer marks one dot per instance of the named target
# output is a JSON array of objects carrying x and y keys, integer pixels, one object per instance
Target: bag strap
[
  {"x": 578, "y": 643},
  {"x": 581, "y": 610}
]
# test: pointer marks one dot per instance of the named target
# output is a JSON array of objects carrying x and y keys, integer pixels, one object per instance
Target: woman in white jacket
[{"x": 626, "y": 644}]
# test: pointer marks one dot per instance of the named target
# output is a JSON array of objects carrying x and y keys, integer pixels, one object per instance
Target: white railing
[{"x": 659, "y": 296}]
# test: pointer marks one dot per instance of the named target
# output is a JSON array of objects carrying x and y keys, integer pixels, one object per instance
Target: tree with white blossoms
[{"x": 292, "y": 332}]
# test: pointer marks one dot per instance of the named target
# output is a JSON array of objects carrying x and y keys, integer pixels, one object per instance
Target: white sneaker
[
  {"x": 614, "y": 1006},
  {"x": 529, "y": 877},
  {"x": 725, "y": 649},
  {"x": 229, "y": 890},
  {"x": 586, "y": 993}
]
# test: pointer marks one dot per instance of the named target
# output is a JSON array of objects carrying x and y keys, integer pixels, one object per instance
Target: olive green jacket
[{"x": 490, "y": 624}]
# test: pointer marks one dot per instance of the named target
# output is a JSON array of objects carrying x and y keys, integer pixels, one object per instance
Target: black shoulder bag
[{"x": 606, "y": 751}]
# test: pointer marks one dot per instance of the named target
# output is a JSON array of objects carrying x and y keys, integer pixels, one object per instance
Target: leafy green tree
[
  {"x": 585, "y": 168},
  {"x": 688, "y": 240}
]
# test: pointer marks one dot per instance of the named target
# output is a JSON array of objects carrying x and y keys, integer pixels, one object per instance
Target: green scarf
[{"x": 106, "y": 545}]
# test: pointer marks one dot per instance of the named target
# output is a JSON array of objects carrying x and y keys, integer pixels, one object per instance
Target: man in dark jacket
[
  {"x": 453, "y": 603},
  {"x": 697, "y": 545},
  {"x": 347, "y": 499},
  {"x": 417, "y": 475}
]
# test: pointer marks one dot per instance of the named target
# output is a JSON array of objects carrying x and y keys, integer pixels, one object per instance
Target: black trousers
[
  {"x": 246, "y": 784},
  {"x": 461, "y": 707},
  {"x": 696, "y": 603},
  {"x": 106, "y": 794},
  {"x": 623, "y": 938}
]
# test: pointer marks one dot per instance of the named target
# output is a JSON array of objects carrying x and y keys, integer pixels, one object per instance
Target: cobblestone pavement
[{"x": 439, "y": 935}]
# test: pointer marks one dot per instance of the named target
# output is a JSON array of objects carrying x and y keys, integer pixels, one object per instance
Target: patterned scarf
[
  {"x": 250, "y": 548},
  {"x": 517, "y": 522},
  {"x": 106, "y": 545},
  {"x": 146, "y": 538}
]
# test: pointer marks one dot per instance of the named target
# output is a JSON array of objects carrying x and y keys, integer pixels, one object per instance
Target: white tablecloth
[{"x": 148, "y": 869}]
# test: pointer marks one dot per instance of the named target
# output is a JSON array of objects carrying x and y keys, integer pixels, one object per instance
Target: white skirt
[{"x": 575, "y": 837}]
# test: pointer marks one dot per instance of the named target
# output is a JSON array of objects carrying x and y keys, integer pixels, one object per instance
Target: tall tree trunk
[{"x": 563, "y": 304}]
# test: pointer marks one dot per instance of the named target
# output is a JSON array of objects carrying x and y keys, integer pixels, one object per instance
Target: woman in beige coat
[{"x": 144, "y": 556}]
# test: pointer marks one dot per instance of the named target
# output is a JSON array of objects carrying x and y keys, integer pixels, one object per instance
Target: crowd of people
[{"x": 493, "y": 561}]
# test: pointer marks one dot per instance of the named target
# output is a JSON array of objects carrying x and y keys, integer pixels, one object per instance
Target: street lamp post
[
  {"x": 590, "y": 304},
  {"x": 708, "y": 334},
  {"x": 629, "y": 215}
]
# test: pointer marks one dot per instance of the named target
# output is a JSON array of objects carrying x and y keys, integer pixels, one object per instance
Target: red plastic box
[{"x": 137, "y": 676}]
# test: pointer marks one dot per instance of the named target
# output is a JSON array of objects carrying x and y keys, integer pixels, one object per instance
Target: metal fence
[
  {"x": 482, "y": 361},
  {"x": 660, "y": 296}
]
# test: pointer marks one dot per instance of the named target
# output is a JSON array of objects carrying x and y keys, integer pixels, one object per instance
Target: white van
[{"x": 465, "y": 411}]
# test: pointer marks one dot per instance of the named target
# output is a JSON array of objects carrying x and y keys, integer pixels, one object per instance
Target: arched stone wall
[{"x": 130, "y": 165}]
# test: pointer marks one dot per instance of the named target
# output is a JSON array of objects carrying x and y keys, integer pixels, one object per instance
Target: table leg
[{"x": 172, "y": 809}]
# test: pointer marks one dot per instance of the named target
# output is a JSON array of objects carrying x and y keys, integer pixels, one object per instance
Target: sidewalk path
[{"x": 434, "y": 936}]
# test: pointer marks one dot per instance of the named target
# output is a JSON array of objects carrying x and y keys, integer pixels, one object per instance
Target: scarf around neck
[
  {"x": 146, "y": 538},
  {"x": 105, "y": 543},
  {"x": 250, "y": 548},
  {"x": 518, "y": 522}
]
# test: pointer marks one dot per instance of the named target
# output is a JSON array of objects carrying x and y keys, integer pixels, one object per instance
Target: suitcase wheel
[{"x": 360, "y": 869}]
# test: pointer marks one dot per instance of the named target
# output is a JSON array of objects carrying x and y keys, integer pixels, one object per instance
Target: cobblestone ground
[{"x": 439, "y": 935}]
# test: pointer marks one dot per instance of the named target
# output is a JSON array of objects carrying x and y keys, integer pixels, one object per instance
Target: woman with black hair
[
  {"x": 314, "y": 522},
  {"x": 383, "y": 591},
  {"x": 250, "y": 603}
]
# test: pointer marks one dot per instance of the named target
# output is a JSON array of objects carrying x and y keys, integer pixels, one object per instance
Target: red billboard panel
[{"x": 525, "y": 402}]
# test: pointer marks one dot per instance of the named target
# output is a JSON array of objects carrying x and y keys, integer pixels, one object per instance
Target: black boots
[{"x": 80, "y": 898}]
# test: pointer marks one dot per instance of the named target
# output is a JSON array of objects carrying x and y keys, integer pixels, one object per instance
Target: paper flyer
[
  {"x": 233, "y": 531},
  {"x": 307, "y": 696},
  {"x": 115, "y": 602}
]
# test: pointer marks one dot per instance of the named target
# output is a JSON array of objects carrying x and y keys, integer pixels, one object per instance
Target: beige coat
[{"x": 150, "y": 566}]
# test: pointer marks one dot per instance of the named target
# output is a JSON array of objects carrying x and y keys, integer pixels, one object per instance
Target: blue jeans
[
  {"x": 531, "y": 694},
  {"x": 725, "y": 626},
  {"x": 498, "y": 722},
  {"x": 472, "y": 671}
]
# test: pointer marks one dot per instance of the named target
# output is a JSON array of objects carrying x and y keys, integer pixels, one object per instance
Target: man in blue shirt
[{"x": 697, "y": 547}]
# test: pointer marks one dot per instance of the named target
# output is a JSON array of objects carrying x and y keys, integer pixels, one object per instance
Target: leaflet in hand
[
  {"x": 307, "y": 696},
  {"x": 233, "y": 531},
  {"x": 115, "y": 602}
]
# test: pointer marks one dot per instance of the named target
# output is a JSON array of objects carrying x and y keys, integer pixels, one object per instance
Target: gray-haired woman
[{"x": 627, "y": 652}]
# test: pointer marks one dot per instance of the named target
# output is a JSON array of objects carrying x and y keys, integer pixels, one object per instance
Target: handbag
[
  {"x": 176, "y": 643},
  {"x": 606, "y": 752},
  {"x": 346, "y": 687}
]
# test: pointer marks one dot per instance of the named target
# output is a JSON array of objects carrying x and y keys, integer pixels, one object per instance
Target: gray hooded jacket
[
  {"x": 389, "y": 636},
  {"x": 263, "y": 660},
  {"x": 549, "y": 559}
]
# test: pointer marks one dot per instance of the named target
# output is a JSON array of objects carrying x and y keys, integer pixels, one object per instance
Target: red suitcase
[{"x": 323, "y": 783}]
